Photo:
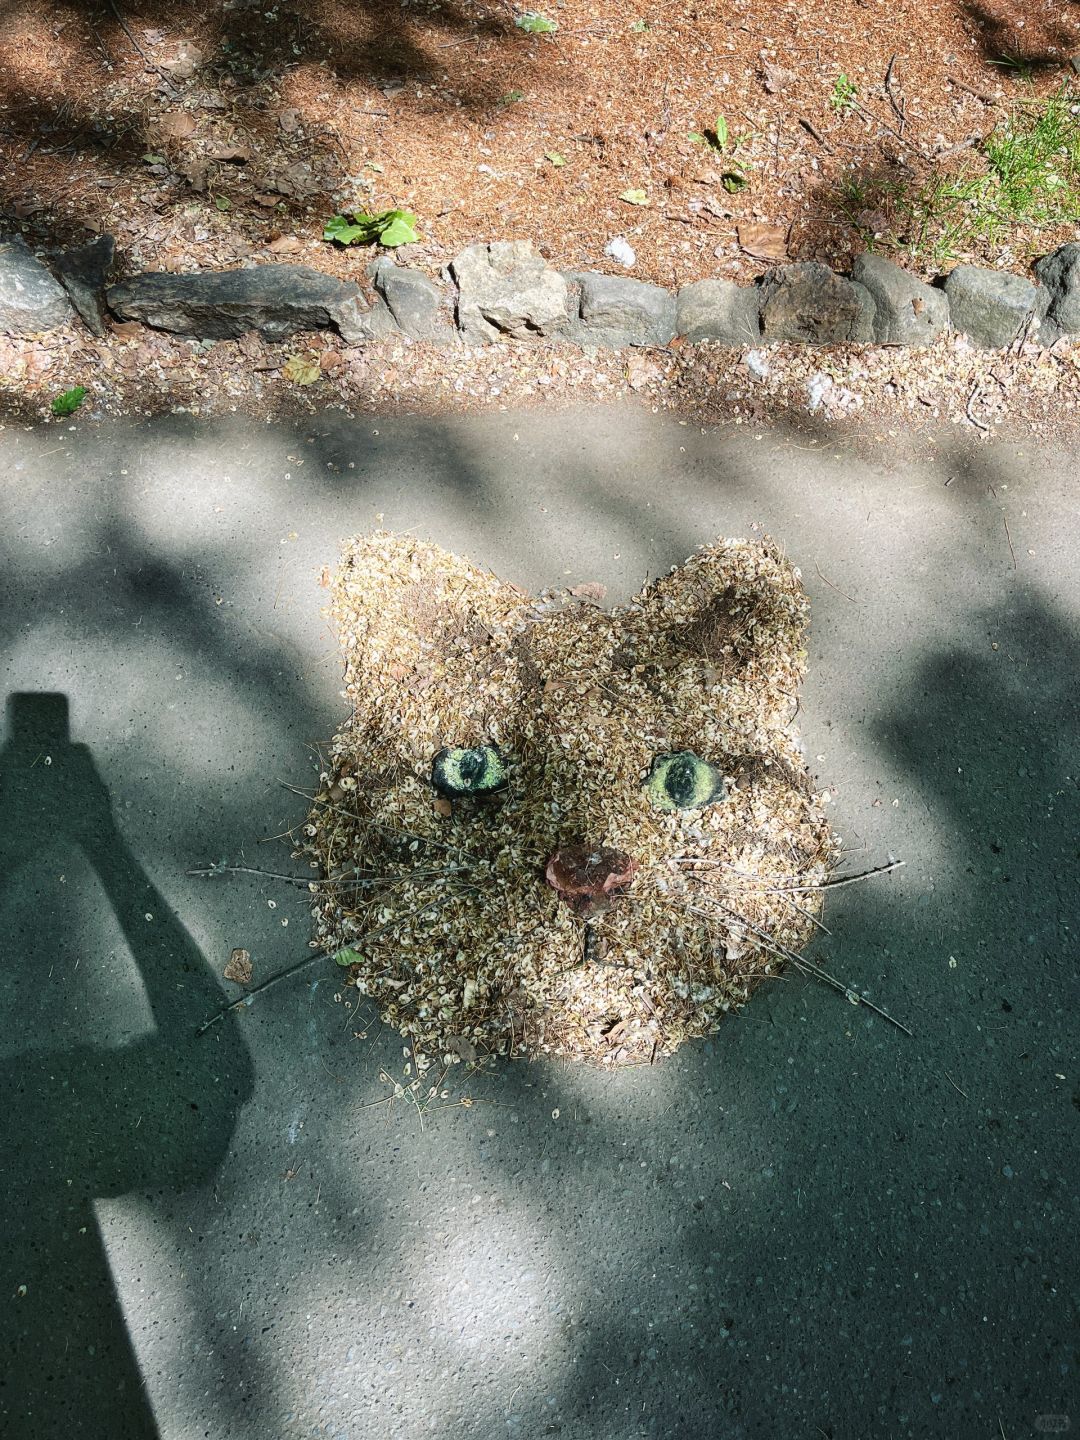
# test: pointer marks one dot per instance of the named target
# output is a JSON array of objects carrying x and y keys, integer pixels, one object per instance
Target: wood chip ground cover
[
  {"x": 204, "y": 135},
  {"x": 875, "y": 391}
]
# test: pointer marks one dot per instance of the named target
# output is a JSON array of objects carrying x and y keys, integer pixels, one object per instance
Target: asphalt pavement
[{"x": 810, "y": 1225}]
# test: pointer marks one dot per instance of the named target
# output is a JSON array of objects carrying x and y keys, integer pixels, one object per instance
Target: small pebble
[{"x": 621, "y": 251}]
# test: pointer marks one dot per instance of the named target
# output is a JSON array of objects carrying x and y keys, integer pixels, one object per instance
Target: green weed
[
  {"x": 68, "y": 402},
  {"x": 389, "y": 228},
  {"x": 534, "y": 23},
  {"x": 843, "y": 97},
  {"x": 1030, "y": 178}
]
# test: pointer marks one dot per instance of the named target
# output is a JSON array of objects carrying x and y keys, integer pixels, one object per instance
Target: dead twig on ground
[
  {"x": 312, "y": 960},
  {"x": 839, "y": 880},
  {"x": 891, "y": 129},
  {"x": 807, "y": 967},
  {"x": 898, "y": 111},
  {"x": 979, "y": 95},
  {"x": 211, "y": 870},
  {"x": 1008, "y": 537},
  {"x": 1017, "y": 347},
  {"x": 150, "y": 64},
  {"x": 812, "y": 130},
  {"x": 953, "y": 1083},
  {"x": 979, "y": 424},
  {"x": 831, "y": 586}
]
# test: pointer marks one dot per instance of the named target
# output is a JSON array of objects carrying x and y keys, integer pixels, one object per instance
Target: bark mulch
[{"x": 203, "y": 135}]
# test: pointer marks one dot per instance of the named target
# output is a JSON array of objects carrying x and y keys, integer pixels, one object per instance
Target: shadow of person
[{"x": 106, "y": 1090}]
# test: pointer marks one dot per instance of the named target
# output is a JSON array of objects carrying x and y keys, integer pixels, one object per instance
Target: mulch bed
[{"x": 205, "y": 136}]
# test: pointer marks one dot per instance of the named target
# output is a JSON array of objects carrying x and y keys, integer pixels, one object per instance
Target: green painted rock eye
[
  {"x": 683, "y": 782},
  {"x": 457, "y": 773}
]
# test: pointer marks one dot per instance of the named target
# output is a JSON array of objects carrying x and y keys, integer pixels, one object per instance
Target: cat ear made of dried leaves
[
  {"x": 735, "y": 605},
  {"x": 412, "y": 620},
  {"x": 407, "y": 583},
  {"x": 414, "y": 617}
]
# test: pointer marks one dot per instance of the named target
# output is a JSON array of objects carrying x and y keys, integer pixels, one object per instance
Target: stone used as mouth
[{"x": 589, "y": 878}]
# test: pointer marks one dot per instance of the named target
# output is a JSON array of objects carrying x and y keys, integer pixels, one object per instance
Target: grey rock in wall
[
  {"x": 720, "y": 310},
  {"x": 1060, "y": 274},
  {"x": 907, "y": 312},
  {"x": 808, "y": 302},
  {"x": 615, "y": 310},
  {"x": 507, "y": 289},
  {"x": 30, "y": 299},
  {"x": 416, "y": 303},
  {"x": 275, "y": 300},
  {"x": 991, "y": 307},
  {"x": 84, "y": 272}
]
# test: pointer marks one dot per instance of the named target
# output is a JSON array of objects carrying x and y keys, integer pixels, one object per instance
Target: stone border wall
[{"x": 507, "y": 291}]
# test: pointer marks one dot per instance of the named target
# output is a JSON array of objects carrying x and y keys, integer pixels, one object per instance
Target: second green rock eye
[
  {"x": 458, "y": 773},
  {"x": 682, "y": 781}
]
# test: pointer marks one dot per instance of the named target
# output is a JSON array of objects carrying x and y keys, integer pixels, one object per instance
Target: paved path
[{"x": 809, "y": 1226}]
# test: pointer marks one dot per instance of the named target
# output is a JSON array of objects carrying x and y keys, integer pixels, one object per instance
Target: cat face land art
[{"x": 549, "y": 828}]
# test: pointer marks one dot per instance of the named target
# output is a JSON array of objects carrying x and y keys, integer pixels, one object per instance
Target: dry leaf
[
  {"x": 186, "y": 61},
  {"x": 177, "y": 125},
  {"x": 300, "y": 370},
  {"x": 641, "y": 371},
  {"x": 195, "y": 174},
  {"x": 776, "y": 77},
  {"x": 589, "y": 590},
  {"x": 459, "y": 1046},
  {"x": 296, "y": 179},
  {"x": 237, "y": 154},
  {"x": 239, "y": 967},
  {"x": 763, "y": 242}
]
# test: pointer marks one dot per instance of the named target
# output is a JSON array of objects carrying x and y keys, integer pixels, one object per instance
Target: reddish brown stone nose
[{"x": 589, "y": 879}]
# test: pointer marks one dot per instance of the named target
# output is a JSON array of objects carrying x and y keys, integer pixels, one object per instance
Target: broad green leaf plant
[
  {"x": 533, "y": 23},
  {"x": 388, "y": 228}
]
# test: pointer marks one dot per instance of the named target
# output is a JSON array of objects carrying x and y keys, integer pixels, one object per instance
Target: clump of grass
[
  {"x": 1034, "y": 160},
  {"x": 1031, "y": 179}
]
